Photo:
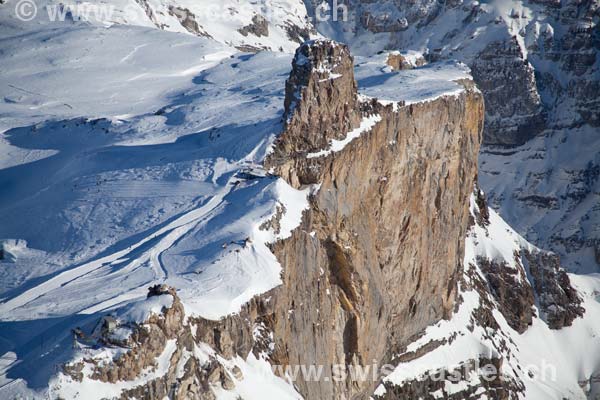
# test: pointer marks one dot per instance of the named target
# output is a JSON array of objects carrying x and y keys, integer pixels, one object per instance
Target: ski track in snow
[{"x": 172, "y": 232}]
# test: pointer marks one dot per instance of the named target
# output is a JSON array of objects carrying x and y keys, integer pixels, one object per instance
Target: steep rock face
[
  {"x": 558, "y": 300},
  {"x": 501, "y": 295},
  {"x": 514, "y": 113},
  {"x": 511, "y": 290},
  {"x": 375, "y": 260},
  {"x": 378, "y": 254},
  {"x": 322, "y": 76},
  {"x": 536, "y": 63}
]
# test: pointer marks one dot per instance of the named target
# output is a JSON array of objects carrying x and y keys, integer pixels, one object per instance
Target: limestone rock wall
[
  {"x": 375, "y": 260},
  {"x": 378, "y": 254}
]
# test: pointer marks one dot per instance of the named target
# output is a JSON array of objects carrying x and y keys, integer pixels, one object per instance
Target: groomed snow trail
[{"x": 150, "y": 257}]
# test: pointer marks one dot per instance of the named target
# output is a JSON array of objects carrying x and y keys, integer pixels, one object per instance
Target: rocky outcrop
[
  {"x": 187, "y": 19},
  {"x": 259, "y": 27},
  {"x": 321, "y": 104},
  {"x": 398, "y": 62},
  {"x": 535, "y": 278},
  {"x": 377, "y": 256},
  {"x": 186, "y": 376},
  {"x": 322, "y": 74},
  {"x": 297, "y": 33},
  {"x": 380, "y": 23},
  {"x": 434, "y": 385},
  {"x": 506, "y": 284},
  {"x": 559, "y": 302},
  {"x": 511, "y": 290},
  {"x": 514, "y": 113}
]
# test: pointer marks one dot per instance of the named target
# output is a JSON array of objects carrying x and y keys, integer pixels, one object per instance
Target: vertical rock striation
[
  {"x": 376, "y": 259},
  {"x": 378, "y": 255}
]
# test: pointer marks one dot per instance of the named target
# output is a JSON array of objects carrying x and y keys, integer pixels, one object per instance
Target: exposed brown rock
[
  {"x": 298, "y": 34},
  {"x": 385, "y": 256},
  {"x": 511, "y": 290},
  {"x": 397, "y": 62},
  {"x": 384, "y": 259},
  {"x": 322, "y": 74},
  {"x": 541, "y": 281},
  {"x": 187, "y": 19},
  {"x": 148, "y": 342},
  {"x": 259, "y": 27},
  {"x": 494, "y": 386},
  {"x": 421, "y": 351},
  {"x": 230, "y": 336}
]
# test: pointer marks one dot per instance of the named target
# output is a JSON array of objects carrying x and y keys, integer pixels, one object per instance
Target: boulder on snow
[
  {"x": 159, "y": 290},
  {"x": 398, "y": 61}
]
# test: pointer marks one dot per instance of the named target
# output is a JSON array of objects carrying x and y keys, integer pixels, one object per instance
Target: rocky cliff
[
  {"x": 378, "y": 254},
  {"x": 507, "y": 287},
  {"x": 375, "y": 260},
  {"x": 378, "y": 272},
  {"x": 536, "y": 63}
]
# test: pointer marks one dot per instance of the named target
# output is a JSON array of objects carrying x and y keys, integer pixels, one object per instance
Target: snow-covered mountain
[
  {"x": 277, "y": 25},
  {"x": 320, "y": 217},
  {"x": 120, "y": 145}
]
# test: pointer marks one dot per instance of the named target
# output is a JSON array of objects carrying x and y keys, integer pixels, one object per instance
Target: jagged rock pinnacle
[{"x": 321, "y": 89}]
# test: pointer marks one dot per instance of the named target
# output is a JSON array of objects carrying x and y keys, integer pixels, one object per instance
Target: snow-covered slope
[
  {"x": 111, "y": 190},
  {"x": 277, "y": 25},
  {"x": 122, "y": 168}
]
